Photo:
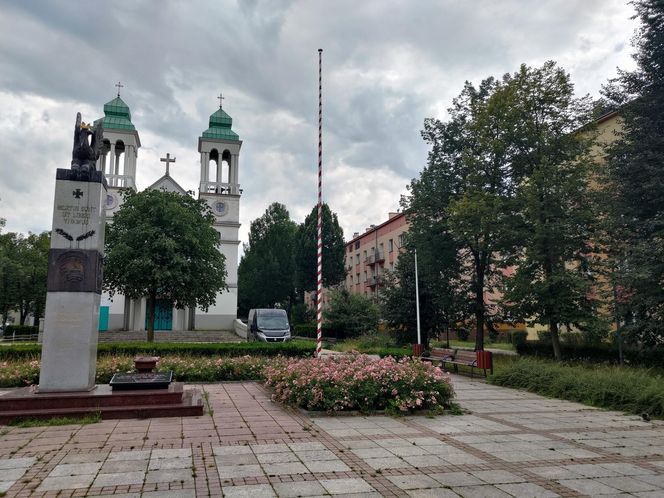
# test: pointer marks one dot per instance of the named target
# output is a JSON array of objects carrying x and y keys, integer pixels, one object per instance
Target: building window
[
  {"x": 350, "y": 247},
  {"x": 357, "y": 258},
  {"x": 357, "y": 277},
  {"x": 365, "y": 276},
  {"x": 357, "y": 244},
  {"x": 390, "y": 245},
  {"x": 401, "y": 240}
]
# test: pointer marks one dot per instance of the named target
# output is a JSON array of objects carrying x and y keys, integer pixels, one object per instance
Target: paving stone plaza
[{"x": 511, "y": 444}]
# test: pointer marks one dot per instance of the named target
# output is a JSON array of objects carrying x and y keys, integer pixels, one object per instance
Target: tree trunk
[
  {"x": 555, "y": 339},
  {"x": 152, "y": 301}
]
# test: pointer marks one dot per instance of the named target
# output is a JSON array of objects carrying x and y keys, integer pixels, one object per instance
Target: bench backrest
[
  {"x": 469, "y": 357},
  {"x": 442, "y": 352}
]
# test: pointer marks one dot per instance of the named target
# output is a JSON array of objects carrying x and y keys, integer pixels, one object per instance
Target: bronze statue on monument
[{"x": 86, "y": 150}]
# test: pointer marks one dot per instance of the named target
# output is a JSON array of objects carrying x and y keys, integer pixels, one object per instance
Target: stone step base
[{"x": 172, "y": 402}]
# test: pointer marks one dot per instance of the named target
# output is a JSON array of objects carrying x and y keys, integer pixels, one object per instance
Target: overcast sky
[{"x": 387, "y": 65}]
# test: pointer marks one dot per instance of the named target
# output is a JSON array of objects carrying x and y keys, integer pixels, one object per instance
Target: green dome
[
  {"x": 116, "y": 116},
  {"x": 220, "y": 126}
]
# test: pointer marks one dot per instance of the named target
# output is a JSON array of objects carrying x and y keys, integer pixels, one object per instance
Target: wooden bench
[
  {"x": 439, "y": 354},
  {"x": 456, "y": 358}
]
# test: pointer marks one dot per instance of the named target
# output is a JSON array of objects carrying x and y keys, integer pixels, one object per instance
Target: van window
[{"x": 272, "y": 321}]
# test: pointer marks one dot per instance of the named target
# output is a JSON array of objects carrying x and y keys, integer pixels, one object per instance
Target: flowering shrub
[
  {"x": 357, "y": 382},
  {"x": 18, "y": 373}
]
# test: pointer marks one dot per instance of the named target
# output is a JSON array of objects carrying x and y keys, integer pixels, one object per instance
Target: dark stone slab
[
  {"x": 74, "y": 270},
  {"x": 141, "y": 380},
  {"x": 73, "y": 176}
]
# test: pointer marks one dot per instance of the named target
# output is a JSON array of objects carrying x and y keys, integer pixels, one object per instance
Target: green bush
[
  {"x": 20, "y": 330},
  {"x": 517, "y": 337},
  {"x": 632, "y": 390},
  {"x": 544, "y": 336},
  {"x": 463, "y": 334},
  {"x": 597, "y": 353},
  {"x": 291, "y": 348},
  {"x": 354, "y": 314},
  {"x": 309, "y": 330}
]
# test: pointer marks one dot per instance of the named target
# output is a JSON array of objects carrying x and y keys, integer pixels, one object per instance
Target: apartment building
[{"x": 369, "y": 254}]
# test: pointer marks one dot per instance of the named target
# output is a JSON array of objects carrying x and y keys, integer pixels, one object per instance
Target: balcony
[
  {"x": 220, "y": 188},
  {"x": 377, "y": 256},
  {"x": 375, "y": 280}
]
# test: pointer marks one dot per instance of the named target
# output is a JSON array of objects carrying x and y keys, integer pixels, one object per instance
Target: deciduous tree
[{"x": 163, "y": 245}]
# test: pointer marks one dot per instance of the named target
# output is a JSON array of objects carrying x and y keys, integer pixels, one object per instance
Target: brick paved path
[{"x": 513, "y": 444}]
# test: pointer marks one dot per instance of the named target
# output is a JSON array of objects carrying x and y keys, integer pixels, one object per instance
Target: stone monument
[{"x": 69, "y": 350}]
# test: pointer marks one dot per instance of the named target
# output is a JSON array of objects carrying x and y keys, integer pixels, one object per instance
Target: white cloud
[{"x": 387, "y": 65}]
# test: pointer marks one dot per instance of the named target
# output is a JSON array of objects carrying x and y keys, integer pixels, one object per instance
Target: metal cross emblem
[
  {"x": 78, "y": 193},
  {"x": 167, "y": 160},
  {"x": 119, "y": 85},
  {"x": 221, "y": 97}
]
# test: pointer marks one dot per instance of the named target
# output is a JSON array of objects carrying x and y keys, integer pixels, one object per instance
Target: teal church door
[
  {"x": 163, "y": 315},
  {"x": 103, "y": 318}
]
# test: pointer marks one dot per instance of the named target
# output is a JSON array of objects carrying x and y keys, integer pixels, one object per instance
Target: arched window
[
  {"x": 103, "y": 156},
  {"x": 212, "y": 165},
  {"x": 118, "y": 167},
  {"x": 226, "y": 166}
]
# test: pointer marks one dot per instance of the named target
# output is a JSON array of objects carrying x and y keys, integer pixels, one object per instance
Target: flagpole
[{"x": 319, "y": 272}]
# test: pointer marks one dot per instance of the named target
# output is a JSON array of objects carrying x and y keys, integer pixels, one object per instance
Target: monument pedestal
[{"x": 69, "y": 351}]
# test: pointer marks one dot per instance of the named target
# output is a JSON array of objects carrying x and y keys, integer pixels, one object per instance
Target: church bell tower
[
  {"x": 219, "y": 148},
  {"x": 119, "y": 151}
]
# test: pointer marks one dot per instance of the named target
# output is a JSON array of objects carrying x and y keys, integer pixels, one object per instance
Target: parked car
[{"x": 268, "y": 325}]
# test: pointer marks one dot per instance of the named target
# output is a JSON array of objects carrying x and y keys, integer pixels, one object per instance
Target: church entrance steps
[
  {"x": 172, "y": 402},
  {"x": 170, "y": 336}
]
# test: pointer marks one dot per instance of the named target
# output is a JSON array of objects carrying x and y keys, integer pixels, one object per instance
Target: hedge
[
  {"x": 309, "y": 330},
  {"x": 291, "y": 348},
  {"x": 20, "y": 330},
  {"x": 605, "y": 353}
]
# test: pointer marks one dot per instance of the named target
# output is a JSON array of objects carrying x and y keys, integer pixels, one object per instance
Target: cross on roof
[
  {"x": 167, "y": 160},
  {"x": 119, "y": 85},
  {"x": 221, "y": 97}
]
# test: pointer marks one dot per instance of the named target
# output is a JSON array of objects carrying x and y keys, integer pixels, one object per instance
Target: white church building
[{"x": 219, "y": 148}]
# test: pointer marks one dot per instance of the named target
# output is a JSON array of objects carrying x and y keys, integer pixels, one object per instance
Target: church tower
[
  {"x": 119, "y": 153},
  {"x": 118, "y": 162},
  {"x": 219, "y": 148}
]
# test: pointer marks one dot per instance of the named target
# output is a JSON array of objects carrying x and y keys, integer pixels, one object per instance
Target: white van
[{"x": 268, "y": 325}]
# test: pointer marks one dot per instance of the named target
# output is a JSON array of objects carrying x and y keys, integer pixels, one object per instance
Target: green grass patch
[
  {"x": 631, "y": 390},
  {"x": 93, "y": 418}
]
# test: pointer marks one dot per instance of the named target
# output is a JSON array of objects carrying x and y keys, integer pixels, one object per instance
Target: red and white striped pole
[{"x": 319, "y": 272}]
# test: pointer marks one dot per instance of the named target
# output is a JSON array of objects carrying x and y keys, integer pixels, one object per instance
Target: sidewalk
[{"x": 513, "y": 444}]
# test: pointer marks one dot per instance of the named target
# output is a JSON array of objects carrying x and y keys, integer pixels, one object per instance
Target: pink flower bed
[{"x": 358, "y": 382}]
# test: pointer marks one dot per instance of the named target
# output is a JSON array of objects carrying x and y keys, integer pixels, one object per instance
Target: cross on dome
[
  {"x": 221, "y": 97},
  {"x": 119, "y": 85},
  {"x": 167, "y": 160}
]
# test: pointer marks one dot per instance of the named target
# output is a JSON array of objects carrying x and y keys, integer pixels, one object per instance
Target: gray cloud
[{"x": 388, "y": 64}]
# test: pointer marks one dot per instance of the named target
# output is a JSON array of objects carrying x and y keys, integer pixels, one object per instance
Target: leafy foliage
[
  {"x": 631, "y": 390},
  {"x": 163, "y": 245},
  {"x": 23, "y": 273},
  {"x": 634, "y": 183},
  {"x": 265, "y": 274},
  {"x": 306, "y": 248},
  {"x": 355, "y": 314}
]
